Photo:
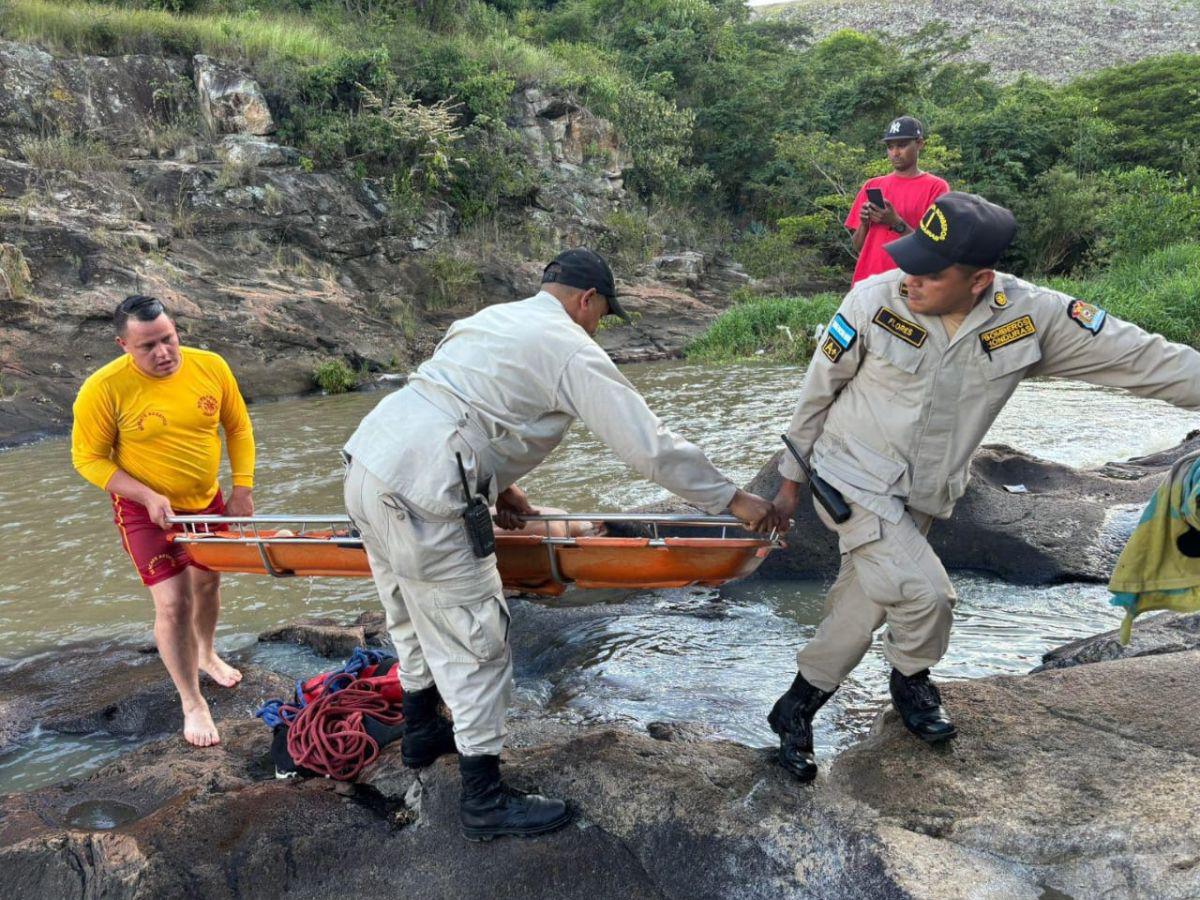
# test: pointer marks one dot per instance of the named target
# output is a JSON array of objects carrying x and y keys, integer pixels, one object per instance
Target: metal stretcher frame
[{"x": 337, "y": 530}]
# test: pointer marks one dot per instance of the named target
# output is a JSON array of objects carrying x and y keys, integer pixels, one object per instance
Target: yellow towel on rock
[{"x": 1156, "y": 569}]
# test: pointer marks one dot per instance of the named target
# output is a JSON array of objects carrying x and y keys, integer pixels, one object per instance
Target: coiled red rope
[{"x": 328, "y": 735}]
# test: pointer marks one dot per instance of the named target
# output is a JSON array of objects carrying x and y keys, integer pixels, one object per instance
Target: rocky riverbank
[
  {"x": 1081, "y": 781},
  {"x": 103, "y": 193}
]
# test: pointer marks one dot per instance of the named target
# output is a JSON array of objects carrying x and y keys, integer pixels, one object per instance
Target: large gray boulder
[
  {"x": 1088, "y": 778},
  {"x": 1164, "y": 632},
  {"x": 230, "y": 100},
  {"x": 1082, "y": 781},
  {"x": 1067, "y": 525}
]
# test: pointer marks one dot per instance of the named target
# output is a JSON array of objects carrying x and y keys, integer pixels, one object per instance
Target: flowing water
[{"x": 65, "y": 578}]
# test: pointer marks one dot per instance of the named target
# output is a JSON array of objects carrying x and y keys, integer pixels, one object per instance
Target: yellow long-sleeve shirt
[{"x": 163, "y": 431}]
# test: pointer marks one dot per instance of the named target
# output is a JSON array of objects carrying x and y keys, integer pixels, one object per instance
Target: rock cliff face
[
  {"x": 103, "y": 193},
  {"x": 1054, "y": 39}
]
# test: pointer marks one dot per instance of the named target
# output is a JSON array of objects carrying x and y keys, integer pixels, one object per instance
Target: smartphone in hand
[{"x": 875, "y": 198}]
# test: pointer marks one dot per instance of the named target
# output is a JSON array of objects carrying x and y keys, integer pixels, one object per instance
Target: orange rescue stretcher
[{"x": 285, "y": 546}]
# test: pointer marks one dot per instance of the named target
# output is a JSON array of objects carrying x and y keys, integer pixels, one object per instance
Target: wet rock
[
  {"x": 1087, "y": 777},
  {"x": 679, "y": 731},
  {"x": 1082, "y": 781},
  {"x": 654, "y": 819},
  {"x": 1070, "y": 525},
  {"x": 86, "y": 689},
  {"x": 1165, "y": 632},
  {"x": 230, "y": 100},
  {"x": 331, "y": 638}
]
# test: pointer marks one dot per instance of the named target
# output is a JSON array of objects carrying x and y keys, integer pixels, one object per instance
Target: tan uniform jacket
[
  {"x": 891, "y": 410},
  {"x": 502, "y": 388}
]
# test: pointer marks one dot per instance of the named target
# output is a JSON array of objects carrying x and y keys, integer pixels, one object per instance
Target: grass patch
[
  {"x": 80, "y": 27},
  {"x": 64, "y": 152},
  {"x": 775, "y": 328},
  {"x": 1159, "y": 292}
]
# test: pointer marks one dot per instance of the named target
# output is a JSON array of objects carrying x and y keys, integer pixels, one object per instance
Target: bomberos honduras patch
[{"x": 1008, "y": 333}]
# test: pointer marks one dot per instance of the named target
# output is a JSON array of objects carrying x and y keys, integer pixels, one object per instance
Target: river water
[{"x": 64, "y": 577}]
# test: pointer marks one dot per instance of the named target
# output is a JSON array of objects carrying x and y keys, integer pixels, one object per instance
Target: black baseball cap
[
  {"x": 905, "y": 128},
  {"x": 958, "y": 228},
  {"x": 583, "y": 268}
]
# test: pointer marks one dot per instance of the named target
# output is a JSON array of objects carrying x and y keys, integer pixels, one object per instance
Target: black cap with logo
[
  {"x": 957, "y": 228},
  {"x": 905, "y": 128},
  {"x": 583, "y": 268}
]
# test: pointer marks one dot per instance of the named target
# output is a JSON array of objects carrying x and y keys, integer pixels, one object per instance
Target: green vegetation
[
  {"x": 335, "y": 377},
  {"x": 1160, "y": 291},
  {"x": 776, "y": 328},
  {"x": 154, "y": 28}
]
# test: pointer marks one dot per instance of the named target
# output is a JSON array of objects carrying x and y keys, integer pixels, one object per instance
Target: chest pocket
[
  {"x": 1010, "y": 360},
  {"x": 896, "y": 352}
]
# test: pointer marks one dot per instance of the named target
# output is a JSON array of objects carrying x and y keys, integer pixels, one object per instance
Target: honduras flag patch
[{"x": 841, "y": 337}]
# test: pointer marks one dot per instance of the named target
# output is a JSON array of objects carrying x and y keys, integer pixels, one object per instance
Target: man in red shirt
[{"x": 907, "y": 193}]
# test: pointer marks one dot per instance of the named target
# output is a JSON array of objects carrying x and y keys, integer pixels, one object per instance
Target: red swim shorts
[{"x": 155, "y": 558}]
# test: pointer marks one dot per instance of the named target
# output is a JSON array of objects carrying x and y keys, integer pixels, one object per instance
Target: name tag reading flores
[{"x": 909, "y": 332}]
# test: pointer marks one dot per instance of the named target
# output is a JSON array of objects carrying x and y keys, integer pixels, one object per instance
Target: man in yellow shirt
[{"x": 146, "y": 431}]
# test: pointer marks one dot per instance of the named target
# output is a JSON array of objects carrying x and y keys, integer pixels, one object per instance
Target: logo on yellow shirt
[
  {"x": 145, "y": 417},
  {"x": 208, "y": 405}
]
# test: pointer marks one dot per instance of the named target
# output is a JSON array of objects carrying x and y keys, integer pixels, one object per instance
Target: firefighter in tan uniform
[
  {"x": 910, "y": 374},
  {"x": 500, "y": 391}
]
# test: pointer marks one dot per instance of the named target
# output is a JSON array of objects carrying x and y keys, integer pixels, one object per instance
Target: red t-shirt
[{"x": 910, "y": 197}]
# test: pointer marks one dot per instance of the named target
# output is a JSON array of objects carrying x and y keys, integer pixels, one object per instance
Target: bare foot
[
  {"x": 199, "y": 729},
  {"x": 220, "y": 671}
]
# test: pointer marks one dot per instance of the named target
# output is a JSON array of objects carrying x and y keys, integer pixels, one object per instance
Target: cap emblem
[
  {"x": 895, "y": 128},
  {"x": 934, "y": 225}
]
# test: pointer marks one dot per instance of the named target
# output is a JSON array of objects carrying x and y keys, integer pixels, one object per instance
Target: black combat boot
[
  {"x": 917, "y": 700},
  {"x": 489, "y": 807},
  {"x": 427, "y": 733},
  {"x": 791, "y": 718}
]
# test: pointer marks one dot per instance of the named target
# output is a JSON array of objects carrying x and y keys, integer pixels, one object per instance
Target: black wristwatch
[{"x": 903, "y": 228}]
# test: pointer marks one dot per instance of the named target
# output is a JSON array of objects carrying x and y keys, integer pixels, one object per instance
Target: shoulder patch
[
  {"x": 832, "y": 349},
  {"x": 909, "y": 332},
  {"x": 840, "y": 337},
  {"x": 1086, "y": 316},
  {"x": 842, "y": 332},
  {"x": 1008, "y": 333}
]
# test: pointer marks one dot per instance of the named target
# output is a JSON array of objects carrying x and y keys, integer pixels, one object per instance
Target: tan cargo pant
[
  {"x": 446, "y": 611},
  {"x": 889, "y": 573}
]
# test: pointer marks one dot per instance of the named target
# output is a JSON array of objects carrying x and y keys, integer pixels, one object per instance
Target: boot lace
[{"x": 924, "y": 693}]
